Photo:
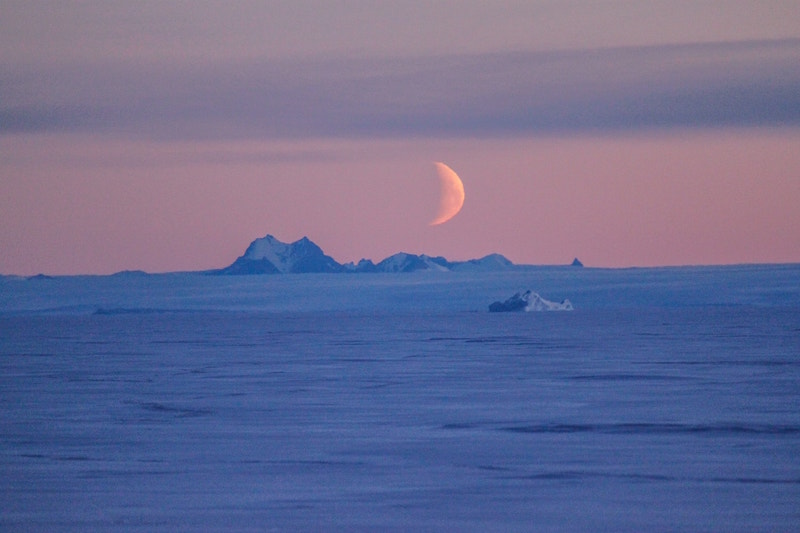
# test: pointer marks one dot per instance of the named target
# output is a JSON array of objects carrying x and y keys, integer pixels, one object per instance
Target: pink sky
[
  {"x": 621, "y": 147},
  {"x": 679, "y": 198}
]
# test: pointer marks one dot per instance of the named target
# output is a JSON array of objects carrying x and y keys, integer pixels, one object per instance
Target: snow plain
[{"x": 668, "y": 400}]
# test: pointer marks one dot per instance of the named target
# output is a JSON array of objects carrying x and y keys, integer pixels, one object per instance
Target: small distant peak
[
  {"x": 130, "y": 273},
  {"x": 39, "y": 276},
  {"x": 576, "y": 263},
  {"x": 364, "y": 265}
]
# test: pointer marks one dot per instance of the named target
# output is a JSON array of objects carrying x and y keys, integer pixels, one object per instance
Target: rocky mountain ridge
[{"x": 268, "y": 255}]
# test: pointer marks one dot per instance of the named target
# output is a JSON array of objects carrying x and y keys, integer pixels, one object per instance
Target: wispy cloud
[{"x": 703, "y": 85}]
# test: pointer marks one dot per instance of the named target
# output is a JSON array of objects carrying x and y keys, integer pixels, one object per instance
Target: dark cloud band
[{"x": 710, "y": 85}]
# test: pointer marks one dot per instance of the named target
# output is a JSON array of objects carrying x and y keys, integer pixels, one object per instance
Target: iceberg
[{"x": 529, "y": 301}]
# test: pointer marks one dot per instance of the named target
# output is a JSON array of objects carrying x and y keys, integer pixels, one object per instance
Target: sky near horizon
[{"x": 166, "y": 136}]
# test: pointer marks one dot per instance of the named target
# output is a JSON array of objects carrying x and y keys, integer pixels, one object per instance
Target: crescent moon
[{"x": 452, "y": 194}]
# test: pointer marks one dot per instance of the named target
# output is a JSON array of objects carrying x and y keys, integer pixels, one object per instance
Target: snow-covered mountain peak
[{"x": 269, "y": 255}]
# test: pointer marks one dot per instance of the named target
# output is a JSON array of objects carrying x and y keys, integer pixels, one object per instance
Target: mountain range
[{"x": 268, "y": 255}]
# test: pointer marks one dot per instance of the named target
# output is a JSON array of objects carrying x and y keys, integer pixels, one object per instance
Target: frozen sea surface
[{"x": 668, "y": 400}]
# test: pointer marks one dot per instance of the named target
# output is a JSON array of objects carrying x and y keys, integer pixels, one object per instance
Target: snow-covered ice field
[{"x": 669, "y": 399}]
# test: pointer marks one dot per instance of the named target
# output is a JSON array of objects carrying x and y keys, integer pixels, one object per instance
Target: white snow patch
[{"x": 537, "y": 303}]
